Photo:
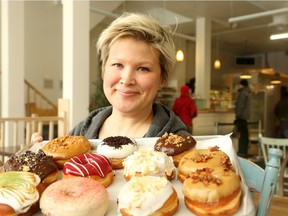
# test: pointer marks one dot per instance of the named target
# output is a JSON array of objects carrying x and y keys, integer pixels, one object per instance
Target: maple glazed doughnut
[
  {"x": 147, "y": 195},
  {"x": 74, "y": 197},
  {"x": 175, "y": 145},
  {"x": 117, "y": 148},
  {"x": 65, "y": 147},
  {"x": 212, "y": 192},
  {"x": 202, "y": 158},
  {"x": 94, "y": 166}
]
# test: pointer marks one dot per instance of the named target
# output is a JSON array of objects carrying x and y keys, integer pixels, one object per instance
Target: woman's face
[{"x": 132, "y": 75}]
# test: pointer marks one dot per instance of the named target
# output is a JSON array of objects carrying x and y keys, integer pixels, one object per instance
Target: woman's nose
[{"x": 127, "y": 77}]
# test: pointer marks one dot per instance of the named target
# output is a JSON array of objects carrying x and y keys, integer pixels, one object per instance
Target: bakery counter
[{"x": 204, "y": 123}]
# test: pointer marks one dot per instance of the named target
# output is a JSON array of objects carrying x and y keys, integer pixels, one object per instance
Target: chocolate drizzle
[
  {"x": 38, "y": 163},
  {"x": 117, "y": 141}
]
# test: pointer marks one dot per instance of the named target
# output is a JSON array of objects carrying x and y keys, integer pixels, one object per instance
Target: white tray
[{"x": 203, "y": 142}]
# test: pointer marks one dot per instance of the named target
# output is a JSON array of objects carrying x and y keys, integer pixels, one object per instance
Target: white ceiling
[{"x": 246, "y": 37}]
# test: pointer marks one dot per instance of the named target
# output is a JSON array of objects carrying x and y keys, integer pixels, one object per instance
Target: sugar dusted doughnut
[
  {"x": 145, "y": 162},
  {"x": 175, "y": 145},
  {"x": 202, "y": 158},
  {"x": 65, "y": 147},
  {"x": 74, "y": 197},
  {"x": 92, "y": 166},
  {"x": 148, "y": 195},
  {"x": 117, "y": 148},
  {"x": 212, "y": 191}
]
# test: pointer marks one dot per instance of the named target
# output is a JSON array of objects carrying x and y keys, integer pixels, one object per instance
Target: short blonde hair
[{"x": 141, "y": 27}]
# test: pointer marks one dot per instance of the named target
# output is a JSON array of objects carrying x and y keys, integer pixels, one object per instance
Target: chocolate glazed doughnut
[{"x": 175, "y": 145}]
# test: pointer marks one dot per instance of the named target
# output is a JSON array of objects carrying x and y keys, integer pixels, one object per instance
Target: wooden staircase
[{"x": 37, "y": 103}]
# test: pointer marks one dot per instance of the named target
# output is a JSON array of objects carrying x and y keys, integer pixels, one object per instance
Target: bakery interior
[{"x": 39, "y": 54}]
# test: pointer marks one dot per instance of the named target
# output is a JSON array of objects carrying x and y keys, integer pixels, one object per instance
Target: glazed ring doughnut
[
  {"x": 92, "y": 165},
  {"x": 74, "y": 197}
]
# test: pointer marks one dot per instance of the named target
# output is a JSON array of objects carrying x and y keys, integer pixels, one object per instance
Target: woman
[{"x": 136, "y": 56}]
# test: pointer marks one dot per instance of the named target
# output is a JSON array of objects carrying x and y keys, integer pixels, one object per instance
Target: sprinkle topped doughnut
[
  {"x": 116, "y": 148},
  {"x": 89, "y": 165}
]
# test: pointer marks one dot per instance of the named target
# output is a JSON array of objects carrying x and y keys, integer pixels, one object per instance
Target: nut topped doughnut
[
  {"x": 38, "y": 163},
  {"x": 212, "y": 191},
  {"x": 74, "y": 197},
  {"x": 92, "y": 165},
  {"x": 175, "y": 145},
  {"x": 65, "y": 147},
  {"x": 148, "y": 195},
  {"x": 202, "y": 158},
  {"x": 145, "y": 162},
  {"x": 117, "y": 148}
]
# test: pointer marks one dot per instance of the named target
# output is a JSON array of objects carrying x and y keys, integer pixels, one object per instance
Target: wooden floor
[{"x": 279, "y": 205}]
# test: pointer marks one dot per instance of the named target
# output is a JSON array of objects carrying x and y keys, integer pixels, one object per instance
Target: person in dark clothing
[
  {"x": 281, "y": 112},
  {"x": 242, "y": 112},
  {"x": 185, "y": 108}
]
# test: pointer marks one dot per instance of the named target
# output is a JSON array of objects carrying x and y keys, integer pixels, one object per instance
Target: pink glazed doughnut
[{"x": 74, "y": 197}]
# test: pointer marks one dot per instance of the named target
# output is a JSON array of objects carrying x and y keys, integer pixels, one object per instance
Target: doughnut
[
  {"x": 38, "y": 163},
  {"x": 200, "y": 158},
  {"x": 147, "y": 195},
  {"x": 74, "y": 197},
  {"x": 19, "y": 193},
  {"x": 65, "y": 147},
  {"x": 148, "y": 162},
  {"x": 116, "y": 148},
  {"x": 212, "y": 191},
  {"x": 94, "y": 166},
  {"x": 175, "y": 145}
]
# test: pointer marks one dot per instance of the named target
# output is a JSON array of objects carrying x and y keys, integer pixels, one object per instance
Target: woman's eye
[
  {"x": 117, "y": 65},
  {"x": 143, "y": 69}
]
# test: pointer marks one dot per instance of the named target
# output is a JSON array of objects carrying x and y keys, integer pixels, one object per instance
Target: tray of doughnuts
[{"x": 147, "y": 144}]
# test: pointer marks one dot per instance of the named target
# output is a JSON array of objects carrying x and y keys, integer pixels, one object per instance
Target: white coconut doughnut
[{"x": 75, "y": 196}]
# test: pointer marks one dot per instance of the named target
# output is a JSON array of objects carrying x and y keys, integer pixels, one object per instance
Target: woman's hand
[{"x": 36, "y": 137}]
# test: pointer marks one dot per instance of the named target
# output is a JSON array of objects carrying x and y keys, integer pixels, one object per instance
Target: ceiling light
[
  {"x": 217, "y": 64},
  {"x": 179, "y": 55},
  {"x": 279, "y": 36},
  {"x": 275, "y": 82},
  {"x": 245, "y": 76},
  {"x": 257, "y": 15}
]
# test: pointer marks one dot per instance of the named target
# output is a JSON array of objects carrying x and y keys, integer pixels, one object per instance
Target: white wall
[{"x": 43, "y": 46}]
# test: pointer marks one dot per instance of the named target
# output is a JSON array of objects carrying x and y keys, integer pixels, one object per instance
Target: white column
[
  {"x": 203, "y": 58},
  {"x": 76, "y": 58},
  {"x": 12, "y": 65}
]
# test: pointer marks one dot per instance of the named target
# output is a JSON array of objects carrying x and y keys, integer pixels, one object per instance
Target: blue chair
[{"x": 263, "y": 181}]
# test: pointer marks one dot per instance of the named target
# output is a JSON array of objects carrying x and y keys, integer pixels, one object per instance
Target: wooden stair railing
[
  {"x": 16, "y": 132},
  {"x": 38, "y": 103}
]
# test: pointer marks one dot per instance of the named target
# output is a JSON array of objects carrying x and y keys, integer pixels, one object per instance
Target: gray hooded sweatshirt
[{"x": 164, "y": 121}]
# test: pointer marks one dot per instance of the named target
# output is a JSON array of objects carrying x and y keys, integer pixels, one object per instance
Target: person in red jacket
[{"x": 184, "y": 107}]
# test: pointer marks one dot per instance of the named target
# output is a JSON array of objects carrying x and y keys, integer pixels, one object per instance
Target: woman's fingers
[{"x": 36, "y": 137}]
